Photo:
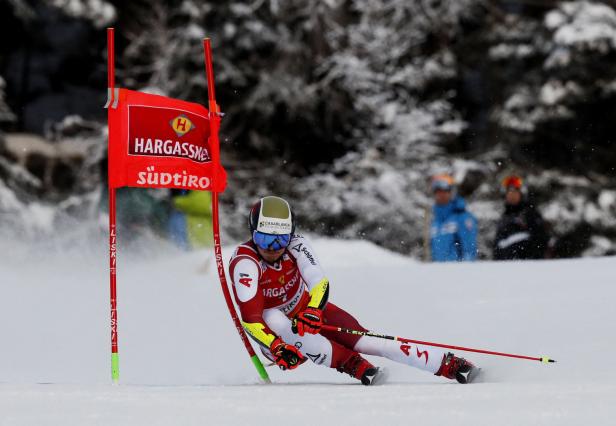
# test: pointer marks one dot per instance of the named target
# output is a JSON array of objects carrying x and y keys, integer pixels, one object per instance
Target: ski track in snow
[{"x": 182, "y": 363}]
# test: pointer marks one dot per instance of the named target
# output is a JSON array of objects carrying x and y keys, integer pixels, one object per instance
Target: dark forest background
[{"x": 346, "y": 107}]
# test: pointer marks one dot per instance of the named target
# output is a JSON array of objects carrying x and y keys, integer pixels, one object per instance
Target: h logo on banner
[{"x": 181, "y": 125}]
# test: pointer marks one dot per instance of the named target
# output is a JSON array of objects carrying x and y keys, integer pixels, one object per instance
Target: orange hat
[
  {"x": 513, "y": 182},
  {"x": 444, "y": 182}
]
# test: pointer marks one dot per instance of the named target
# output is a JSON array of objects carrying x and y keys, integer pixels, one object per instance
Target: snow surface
[{"x": 182, "y": 363}]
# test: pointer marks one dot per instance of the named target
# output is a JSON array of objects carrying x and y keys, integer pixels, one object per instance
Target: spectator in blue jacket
[{"x": 453, "y": 232}]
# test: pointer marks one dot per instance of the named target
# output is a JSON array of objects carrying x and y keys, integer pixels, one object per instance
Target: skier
[
  {"x": 453, "y": 233},
  {"x": 282, "y": 293},
  {"x": 521, "y": 232}
]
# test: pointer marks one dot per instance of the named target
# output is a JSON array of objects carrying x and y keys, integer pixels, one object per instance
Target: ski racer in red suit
[{"x": 282, "y": 293}]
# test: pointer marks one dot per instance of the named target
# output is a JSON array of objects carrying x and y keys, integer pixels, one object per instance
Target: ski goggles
[
  {"x": 271, "y": 241},
  {"x": 441, "y": 183}
]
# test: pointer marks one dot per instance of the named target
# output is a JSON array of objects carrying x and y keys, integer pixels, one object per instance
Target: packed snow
[{"x": 181, "y": 361}]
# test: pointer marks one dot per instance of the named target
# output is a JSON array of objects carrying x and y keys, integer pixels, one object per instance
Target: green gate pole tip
[
  {"x": 115, "y": 368},
  {"x": 257, "y": 363}
]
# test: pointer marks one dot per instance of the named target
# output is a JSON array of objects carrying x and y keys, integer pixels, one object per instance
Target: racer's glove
[
  {"x": 286, "y": 356},
  {"x": 308, "y": 321}
]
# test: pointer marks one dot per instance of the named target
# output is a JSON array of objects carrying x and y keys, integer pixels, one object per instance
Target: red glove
[
  {"x": 307, "y": 321},
  {"x": 286, "y": 356}
]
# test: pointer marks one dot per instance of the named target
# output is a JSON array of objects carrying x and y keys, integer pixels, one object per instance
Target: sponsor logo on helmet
[{"x": 269, "y": 226}]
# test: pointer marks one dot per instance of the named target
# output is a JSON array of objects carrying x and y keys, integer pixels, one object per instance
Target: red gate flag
[{"x": 160, "y": 142}]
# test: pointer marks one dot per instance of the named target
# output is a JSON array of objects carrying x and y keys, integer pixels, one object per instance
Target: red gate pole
[
  {"x": 215, "y": 115},
  {"x": 115, "y": 361}
]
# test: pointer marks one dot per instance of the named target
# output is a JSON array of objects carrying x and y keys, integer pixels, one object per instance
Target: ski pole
[{"x": 543, "y": 359}]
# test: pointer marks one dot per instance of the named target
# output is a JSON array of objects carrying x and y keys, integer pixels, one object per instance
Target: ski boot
[
  {"x": 359, "y": 368},
  {"x": 460, "y": 369}
]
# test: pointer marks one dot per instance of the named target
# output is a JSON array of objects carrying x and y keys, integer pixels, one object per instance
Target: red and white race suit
[{"x": 269, "y": 296}]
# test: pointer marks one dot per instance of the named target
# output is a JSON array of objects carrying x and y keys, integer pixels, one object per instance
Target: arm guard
[
  {"x": 319, "y": 294},
  {"x": 259, "y": 332}
]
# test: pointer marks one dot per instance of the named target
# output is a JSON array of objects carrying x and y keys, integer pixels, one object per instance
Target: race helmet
[{"x": 271, "y": 223}]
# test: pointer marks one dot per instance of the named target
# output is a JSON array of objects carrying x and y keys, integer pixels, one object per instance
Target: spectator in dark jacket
[{"x": 521, "y": 232}]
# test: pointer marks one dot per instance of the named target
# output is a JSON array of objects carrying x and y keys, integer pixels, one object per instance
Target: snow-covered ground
[{"x": 182, "y": 363}]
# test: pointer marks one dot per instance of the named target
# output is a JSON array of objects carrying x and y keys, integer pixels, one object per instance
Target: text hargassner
[
  {"x": 152, "y": 177},
  {"x": 169, "y": 148}
]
